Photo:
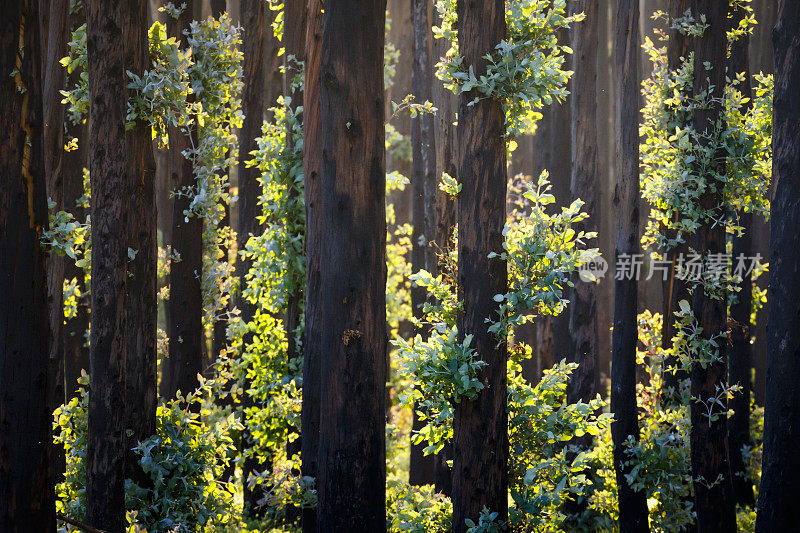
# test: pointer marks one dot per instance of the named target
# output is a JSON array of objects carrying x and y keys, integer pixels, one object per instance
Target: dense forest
[{"x": 399, "y": 266}]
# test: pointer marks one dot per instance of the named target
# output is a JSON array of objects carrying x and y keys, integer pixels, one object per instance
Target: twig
[{"x": 82, "y": 527}]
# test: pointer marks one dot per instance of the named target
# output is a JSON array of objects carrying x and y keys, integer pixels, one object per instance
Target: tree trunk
[
  {"x": 559, "y": 165},
  {"x": 401, "y": 35},
  {"x": 56, "y": 32},
  {"x": 709, "y": 439},
  {"x": 312, "y": 169},
  {"x": 185, "y": 306},
  {"x": 443, "y": 220},
  {"x": 142, "y": 278},
  {"x": 123, "y": 287},
  {"x": 423, "y": 183},
  {"x": 480, "y": 428},
  {"x": 26, "y": 495},
  {"x": 741, "y": 351},
  {"x": 294, "y": 40},
  {"x": 350, "y": 298},
  {"x": 583, "y": 382},
  {"x": 779, "y": 492},
  {"x": 632, "y": 504}
]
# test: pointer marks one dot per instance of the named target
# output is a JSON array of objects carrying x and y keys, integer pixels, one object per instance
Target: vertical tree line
[
  {"x": 480, "y": 426},
  {"x": 632, "y": 503}
]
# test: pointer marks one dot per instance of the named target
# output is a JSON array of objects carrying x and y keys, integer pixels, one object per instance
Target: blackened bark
[
  {"x": 779, "y": 491},
  {"x": 559, "y": 165},
  {"x": 26, "y": 496},
  {"x": 632, "y": 504},
  {"x": 123, "y": 330},
  {"x": 185, "y": 306},
  {"x": 351, "y": 332},
  {"x": 741, "y": 352},
  {"x": 312, "y": 169},
  {"x": 218, "y": 7},
  {"x": 480, "y": 428},
  {"x": 584, "y": 380},
  {"x": 709, "y": 439},
  {"x": 423, "y": 183},
  {"x": 141, "y": 283}
]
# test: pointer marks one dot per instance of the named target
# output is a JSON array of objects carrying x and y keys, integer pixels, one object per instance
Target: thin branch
[{"x": 82, "y": 527}]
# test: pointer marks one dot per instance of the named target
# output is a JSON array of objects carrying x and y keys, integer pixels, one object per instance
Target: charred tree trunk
[
  {"x": 443, "y": 221},
  {"x": 740, "y": 360},
  {"x": 583, "y": 184},
  {"x": 423, "y": 184},
  {"x": 123, "y": 283},
  {"x": 350, "y": 298},
  {"x": 312, "y": 169},
  {"x": 141, "y": 394},
  {"x": 779, "y": 492},
  {"x": 709, "y": 438},
  {"x": 26, "y": 496},
  {"x": 480, "y": 427},
  {"x": 185, "y": 306},
  {"x": 294, "y": 40},
  {"x": 633, "y": 516}
]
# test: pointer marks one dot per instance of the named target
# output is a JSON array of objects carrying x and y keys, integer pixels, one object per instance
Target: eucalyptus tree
[
  {"x": 713, "y": 497},
  {"x": 779, "y": 493},
  {"x": 633, "y": 513},
  {"x": 480, "y": 426},
  {"x": 347, "y": 236},
  {"x": 312, "y": 176},
  {"x": 26, "y": 497},
  {"x": 122, "y": 399},
  {"x": 423, "y": 185},
  {"x": 740, "y": 357},
  {"x": 185, "y": 304},
  {"x": 583, "y": 327}
]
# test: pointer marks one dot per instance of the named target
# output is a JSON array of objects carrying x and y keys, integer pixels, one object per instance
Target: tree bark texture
[
  {"x": 123, "y": 261},
  {"x": 443, "y": 221},
  {"x": 740, "y": 359},
  {"x": 633, "y": 514},
  {"x": 351, "y": 332},
  {"x": 480, "y": 427},
  {"x": 709, "y": 438},
  {"x": 185, "y": 306},
  {"x": 584, "y": 380},
  {"x": 312, "y": 170},
  {"x": 26, "y": 496},
  {"x": 779, "y": 491}
]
